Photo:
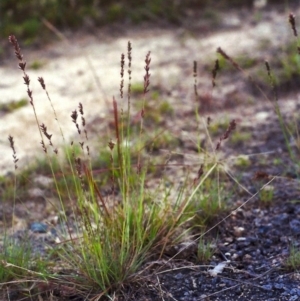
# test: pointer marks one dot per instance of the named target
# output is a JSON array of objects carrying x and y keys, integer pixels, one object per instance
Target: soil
[{"x": 252, "y": 240}]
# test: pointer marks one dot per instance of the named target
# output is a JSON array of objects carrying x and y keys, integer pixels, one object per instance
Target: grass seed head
[
  {"x": 12, "y": 39},
  {"x": 147, "y": 75},
  {"x": 44, "y": 131},
  {"x": 231, "y": 127},
  {"x": 22, "y": 64},
  {"x": 12, "y": 146},
  {"x": 214, "y": 72},
  {"x": 228, "y": 58},
  {"x": 74, "y": 117},
  {"x": 42, "y": 82},
  {"x": 122, "y": 75},
  {"x": 83, "y": 123},
  {"x": 44, "y": 147},
  {"x": 129, "y": 56},
  {"x": 268, "y": 67},
  {"x": 293, "y": 24},
  {"x": 80, "y": 107},
  {"x": 199, "y": 174},
  {"x": 195, "y": 79}
]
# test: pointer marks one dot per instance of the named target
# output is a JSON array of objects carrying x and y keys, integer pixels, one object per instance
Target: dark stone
[
  {"x": 295, "y": 226},
  {"x": 37, "y": 227},
  {"x": 278, "y": 286},
  {"x": 267, "y": 287}
]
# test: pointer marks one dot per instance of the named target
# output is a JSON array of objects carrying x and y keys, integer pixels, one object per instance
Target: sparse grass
[
  {"x": 25, "y": 18},
  {"x": 290, "y": 131},
  {"x": 156, "y": 113},
  {"x": 112, "y": 237},
  {"x": 217, "y": 127},
  {"x": 32, "y": 20},
  {"x": 205, "y": 250},
  {"x": 242, "y": 161},
  {"x": 212, "y": 201},
  {"x": 240, "y": 137},
  {"x": 12, "y": 106},
  {"x": 36, "y": 65},
  {"x": 293, "y": 261},
  {"x": 285, "y": 69},
  {"x": 137, "y": 88},
  {"x": 161, "y": 141},
  {"x": 16, "y": 260},
  {"x": 245, "y": 62},
  {"x": 165, "y": 108},
  {"x": 266, "y": 195},
  {"x": 277, "y": 161}
]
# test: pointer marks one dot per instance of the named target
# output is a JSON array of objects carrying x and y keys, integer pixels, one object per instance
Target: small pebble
[
  {"x": 37, "y": 227},
  {"x": 279, "y": 286},
  {"x": 295, "y": 226},
  {"x": 268, "y": 287}
]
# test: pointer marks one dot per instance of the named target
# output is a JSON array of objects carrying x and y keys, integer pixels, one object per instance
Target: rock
[{"x": 37, "y": 227}]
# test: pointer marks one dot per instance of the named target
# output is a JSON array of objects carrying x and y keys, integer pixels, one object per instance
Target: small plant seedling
[
  {"x": 13, "y": 105},
  {"x": 242, "y": 161},
  {"x": 277, "y": 161},
  {"x": 36, "y": 65},
  {"x": 266, "y": 195},
  {"x": 240, "y": 137},
  {"x": 166, "y": 108},
  {"x": 16, "y": 260},
  {"x": 205, "y": 250},
  {"x": 137, "y": 88},
  {"x": 215, "y": 128},
  {"x": 293, "y": 260}
]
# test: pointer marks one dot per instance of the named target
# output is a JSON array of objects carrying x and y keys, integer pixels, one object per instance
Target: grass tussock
[
  {"x": 113, "y": 237},
  {"x": 108, "y": 238}
]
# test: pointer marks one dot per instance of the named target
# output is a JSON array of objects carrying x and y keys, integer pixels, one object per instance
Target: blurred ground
[{"x": 85, "y": 68}]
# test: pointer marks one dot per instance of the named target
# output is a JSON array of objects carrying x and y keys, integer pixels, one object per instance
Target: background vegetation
[{"x": 26, "y": 18}]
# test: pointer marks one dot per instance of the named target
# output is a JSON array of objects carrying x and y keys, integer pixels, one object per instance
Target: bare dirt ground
[{"x": 255, "y": 239}]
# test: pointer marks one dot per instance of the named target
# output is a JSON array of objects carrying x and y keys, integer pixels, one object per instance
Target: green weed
[
  {"x": 36, "y": 65},
  {"x": 242, "y": 161},
  {"x": 266, "y": 195},
  {"x": 205, "y": 250},
  {"x": 217, "y": 128},
  {"x": 16, "y": 260},
  {"x": 293, "y": 260},
  {"x": 13, "y": 105},
  {"x": 240, "y": 137}
]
